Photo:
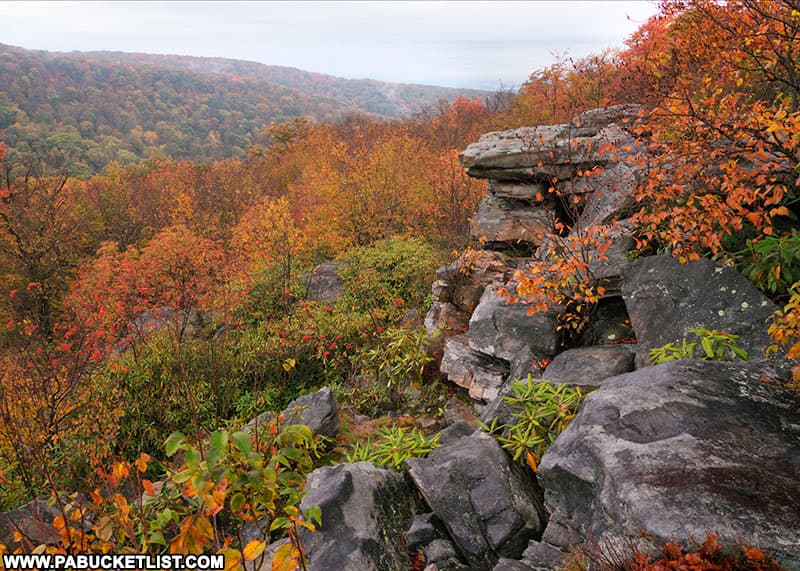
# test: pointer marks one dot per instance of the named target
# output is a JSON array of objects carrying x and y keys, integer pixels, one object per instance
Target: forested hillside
[
  {"x": 160, "y": 299},
  {"x": 84, "y": 110}
]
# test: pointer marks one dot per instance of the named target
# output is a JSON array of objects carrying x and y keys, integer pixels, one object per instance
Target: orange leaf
[
  {"x": 149, "y": 489},
  {"x": 531, "y": 462}
]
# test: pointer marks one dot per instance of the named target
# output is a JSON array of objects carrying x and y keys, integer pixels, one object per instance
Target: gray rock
[
  {"x": 489, "y": 506},
  {"x": 511, "y": 565},
  {"x": 440, "y": 550},
  {"x": 446, "y": 317},
  {"x": 590, "y": 122},
  {"x": 462, "y": 282},
  {"x": 542, "y": 556},
  {"x": 503, "y": 220},
  {"x": 34, "y": 520},
  {"x": 531, "y": 153},
  {"x": 316, "y": 410},
  {"x": 665, "y": 298},
  {"x": 424, "y": 529},
  {"x": 365, "y": 512},
  {"x": 528, "y": 191},
  {"x": 676, "y": 450},
  {"x": 610, "y": 194},
  {"x": 503, "y": 330},
  {"x": 324, "y": 283},
  {"x": 499, "y": 410},
  {"x": 454, "y": 432},
  {"x": 589, "y": 366},
  {"x": 482, "y": 375}
]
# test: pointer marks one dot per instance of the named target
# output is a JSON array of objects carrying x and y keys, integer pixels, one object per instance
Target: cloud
[{"x": 474, "y": 44}]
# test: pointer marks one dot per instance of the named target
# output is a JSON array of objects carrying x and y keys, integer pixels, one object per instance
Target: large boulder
[
  {"x": 365, "y": 513},
  {"x": 489, "y": 505},
  {"x": 665, "y": 298},
  {"x": 316, "y": 410},
  {"x": 325, "y": 283},
  {"x": 503, "y": 329},
  {"x": 531, "y": 153},
  {"x": 589, "y": 366},
  {"x": 677, "y": 450},
  {"x": 34, "y": 521},
  {"x": 480, "y": 374}
]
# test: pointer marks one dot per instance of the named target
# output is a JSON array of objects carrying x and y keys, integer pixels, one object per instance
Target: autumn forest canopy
[{"x": 160, "y": 216}]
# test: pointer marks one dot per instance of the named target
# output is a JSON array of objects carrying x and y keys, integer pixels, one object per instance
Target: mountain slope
[{"x": 83, "y": 110}]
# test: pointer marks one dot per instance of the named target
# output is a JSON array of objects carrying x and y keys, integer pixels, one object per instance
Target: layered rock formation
[{"x": 548, "y": 187}]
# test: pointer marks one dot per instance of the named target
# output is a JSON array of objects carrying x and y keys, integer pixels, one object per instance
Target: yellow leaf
[
  {"x": 286, "y": 558},
  {"x": 253, "y": 549},
  {"x": 233, "y": 559}
]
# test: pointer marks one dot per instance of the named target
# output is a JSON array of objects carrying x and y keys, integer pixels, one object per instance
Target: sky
[{"x": 460, "y": 44}]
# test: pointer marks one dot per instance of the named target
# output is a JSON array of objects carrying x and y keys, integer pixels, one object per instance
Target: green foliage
[
  {"x": 716, "y": 346},
  {"x": 772, "y": 263},
  {"x": 400, "y": 358},
  {"x": 541, "y": 412},
  {"x": 231, "y": 480},
  {"x": 392, "y": 446},
  {"x": 263, "y": 474},
  {"x": 390, "y": 277}
]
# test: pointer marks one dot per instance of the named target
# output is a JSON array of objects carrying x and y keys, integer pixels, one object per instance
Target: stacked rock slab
[{"x": 546, "y": 186}]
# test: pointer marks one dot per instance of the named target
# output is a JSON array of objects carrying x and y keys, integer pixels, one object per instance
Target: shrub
[
  {"x": 716, "y": 345},
  {"x": 541, "y": 412},
  {"x": 399, "y": 359},
  {"x": 232, "y": 480},
  {"x": 785, "y": 327},
  {"x": 392, "y": 447},
  {"x": 642, "y": 554},
  {"x": 389, "y": 277}
]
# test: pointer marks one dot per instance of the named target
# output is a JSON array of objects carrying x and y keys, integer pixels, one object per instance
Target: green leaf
[
  {"x": 237, "y": 501},
  {"x": 741, "y": 353},
  {"x": 217, "y": 446},
  {"x": 242, "y": 441},
  {"x": 708, "y": 346},
  {"x": 173, "y": 443}
]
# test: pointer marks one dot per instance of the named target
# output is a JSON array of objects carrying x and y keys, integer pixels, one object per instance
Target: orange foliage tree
[{"x": 723, "y": 141}]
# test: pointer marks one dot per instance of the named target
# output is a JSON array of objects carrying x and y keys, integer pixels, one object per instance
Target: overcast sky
[{"x": 459, "y": 44}]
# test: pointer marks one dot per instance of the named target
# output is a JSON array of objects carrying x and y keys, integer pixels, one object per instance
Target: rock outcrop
[
  {"x": 548, "y": 186},
  {"x": 589, "y": 366},
  {"x": 677, "y": 450}
]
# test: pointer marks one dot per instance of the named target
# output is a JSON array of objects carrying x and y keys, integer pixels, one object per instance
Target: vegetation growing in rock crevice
[{"x": 540, "y": 411}]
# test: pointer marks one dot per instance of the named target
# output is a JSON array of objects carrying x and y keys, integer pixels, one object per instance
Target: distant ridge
[{"x": 90, "y": 108}]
